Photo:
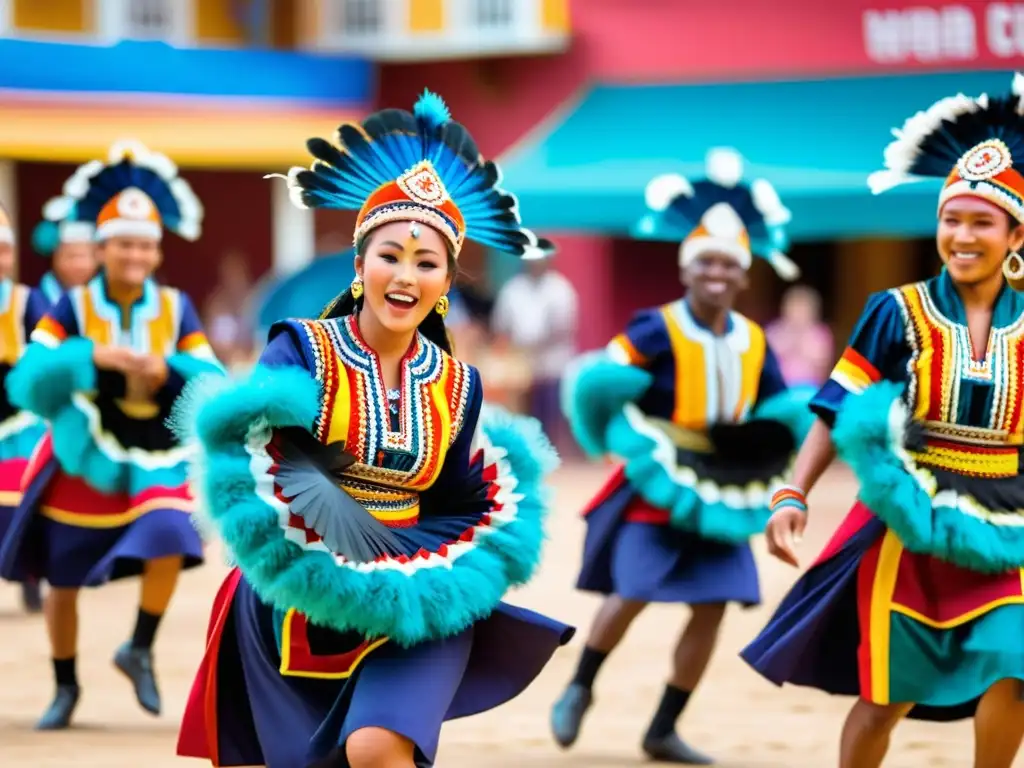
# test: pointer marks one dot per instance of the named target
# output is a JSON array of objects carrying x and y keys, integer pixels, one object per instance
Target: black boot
[
  {"x": 58, "y": 714},
  {"x": 567, "y": 714},
  {"x": 672, "y": 749},
  {"x": 137, "y": 666}
]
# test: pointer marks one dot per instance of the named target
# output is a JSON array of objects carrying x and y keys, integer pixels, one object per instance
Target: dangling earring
[
  {"x": 442, "y": 307},
  {"x": 356, "y": 289},
  {"x": 1013, "y": 267}
]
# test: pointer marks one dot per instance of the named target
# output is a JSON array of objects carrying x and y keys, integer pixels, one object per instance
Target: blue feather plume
[{"x": 390, "y": 142}]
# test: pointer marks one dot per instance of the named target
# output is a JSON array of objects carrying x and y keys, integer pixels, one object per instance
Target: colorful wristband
[{"x": 788, "y": 496}]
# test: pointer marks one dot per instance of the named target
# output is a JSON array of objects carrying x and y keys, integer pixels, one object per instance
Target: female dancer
[
  {"x": 916, "y": 604},
  {"x": 376, "y": 512},
  {"x": 106, "y": 493},
  {"x": 691, "y": 398},
  {"x": 20, "y": 309}
]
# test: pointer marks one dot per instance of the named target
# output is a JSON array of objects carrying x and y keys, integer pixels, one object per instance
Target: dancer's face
[
  {"x": 405, "y": 269},
  {"x": 74, "y": 263},
  {"x": 714, "y": 279},
  {"x": 129, "y": 261},
  {"x": 973, "y": 238}
]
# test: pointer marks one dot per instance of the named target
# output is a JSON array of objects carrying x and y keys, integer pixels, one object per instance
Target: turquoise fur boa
[
  {"x": 868, "y": 435},
  {"x": 190, "y": 366},
  {"x": 26, "y": 432},
  {"x": 407, "y": 606},
  {"x": 45, "y": 378},
  {"x": 600, "y": 406},
  {"x": 45, "y": 382}
]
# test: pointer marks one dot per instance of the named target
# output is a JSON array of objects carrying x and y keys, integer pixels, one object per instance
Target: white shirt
[{"x": 538, "y": 314}]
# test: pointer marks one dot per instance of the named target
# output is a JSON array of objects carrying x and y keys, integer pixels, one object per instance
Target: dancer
[
  {"x": 106, "y": 495},
  {"x": 20, "y": 310},
  {"x": 916, "y": 603},
  {"x": 377, "y": 513},
  {"x": 690, "y": 397},
  {"x": 70, "y": 246}
]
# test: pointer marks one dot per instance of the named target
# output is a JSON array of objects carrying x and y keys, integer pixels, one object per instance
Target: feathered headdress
[
  {"x": 49, "y": 235},
  {"x": 970, "y": 142},
  {"x": 137, "y": 192},
  {"x": 720, "y": 213},
  {"x": 419, "y": 166}
]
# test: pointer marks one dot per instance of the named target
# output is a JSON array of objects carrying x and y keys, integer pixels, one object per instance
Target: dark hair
[{"x": 433, "y": 324}]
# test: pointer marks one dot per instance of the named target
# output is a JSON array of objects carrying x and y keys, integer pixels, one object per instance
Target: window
[
  {"x": 167, "y": 20},
  {"x": 150, "y": 19},
  {"x": 493, "y": 14},
  {"x": 362, "y": 17}
]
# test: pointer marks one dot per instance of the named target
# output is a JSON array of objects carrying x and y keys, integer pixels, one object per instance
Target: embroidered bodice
[{"x": 400, "y": 439}]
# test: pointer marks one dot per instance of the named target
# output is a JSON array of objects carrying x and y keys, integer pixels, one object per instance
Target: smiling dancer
[
  {"x": 916, "y": 604},
  {"x": 70, "y": 246},
  {"x": 691, "y": 398},
  {"x": 377, "y": 513},
  {"x": 20, "y": 310},
  {"x": 106, "y": 495}
]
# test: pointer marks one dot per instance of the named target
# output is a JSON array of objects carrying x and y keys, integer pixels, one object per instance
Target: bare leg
[
  {"x": 694, "y": 649},
  {"x": 612, "y": 620},
  {"x": 159, "y": 579},
  {"x": 999, "y": 725},
  {"x": 62, "y": 621},
  {"x": 866, "y": 733},
  {"x": 379, "y": 748}
]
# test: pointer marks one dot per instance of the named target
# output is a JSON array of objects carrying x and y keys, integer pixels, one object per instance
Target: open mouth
[
  {"x": 966, "y": 255},
  {"x": 400, "y": 300},
  {"x": 716, "y": 287}
]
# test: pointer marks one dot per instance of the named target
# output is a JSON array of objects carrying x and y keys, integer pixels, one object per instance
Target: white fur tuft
[
  {"x": 58, "y": 208},
  {"x": 721, "y": 221},
  {"x": 724, "y": 166},
  {"x": 662, "y": 190},
  {"x": 785, "y": 267},
  {"x": 767, "y": 202}
]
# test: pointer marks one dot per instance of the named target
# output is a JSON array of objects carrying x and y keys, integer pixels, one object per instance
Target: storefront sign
[{"x": 988, "y": 33}]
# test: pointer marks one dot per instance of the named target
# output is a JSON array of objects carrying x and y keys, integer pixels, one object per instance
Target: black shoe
[
  {"x": 58, "y": 714},
  {"x": 31, "y": 596},
  {"x": 567, "y": 714},
  {"x": 672, "y": 749},
  {"x": 137, "y": 666}
]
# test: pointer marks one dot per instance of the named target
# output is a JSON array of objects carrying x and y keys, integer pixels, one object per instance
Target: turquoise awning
[{"x": 816, "y": 141}]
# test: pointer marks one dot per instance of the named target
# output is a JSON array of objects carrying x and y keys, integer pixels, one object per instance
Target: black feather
[{"x": 308, "y": 474}]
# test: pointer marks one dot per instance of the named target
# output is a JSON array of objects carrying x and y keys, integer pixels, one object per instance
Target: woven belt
[{"x": 968, "y": 459}]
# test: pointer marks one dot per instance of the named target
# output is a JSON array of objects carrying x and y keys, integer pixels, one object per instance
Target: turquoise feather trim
[
  {"x": 408, "y": 605},
  {"x": 869, "y": 436},
  {"x": 45, "y": 378},
  {"x": 790, "y": 407},
  {"x": 730, "y": 515},
  {"x": 20, "y": 435},
  {"x": 190, "y": 366},
  {"x": 594, "y": 392}
]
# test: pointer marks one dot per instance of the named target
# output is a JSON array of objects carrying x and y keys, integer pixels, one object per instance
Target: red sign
[{"x": 753, "y": 39}]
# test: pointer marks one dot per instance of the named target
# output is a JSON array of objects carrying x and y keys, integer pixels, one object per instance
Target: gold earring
[
  {"x": 1013, "y": 267},
  {"x": 442, "y": 306},
  {"x": 356, "y": 289}
]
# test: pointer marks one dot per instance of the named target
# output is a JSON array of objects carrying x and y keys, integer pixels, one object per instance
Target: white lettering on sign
[
  {"x": 1004, "y": 28},
  {"x": 921, "y": 34}
]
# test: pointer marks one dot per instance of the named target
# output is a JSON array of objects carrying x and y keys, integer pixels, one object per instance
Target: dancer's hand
[
  {"x": 112, "y": 358},
  {"x": 786, "y": 525},
  {"x": 152, "y": 369},
  {"x": 784, "y": 531}
]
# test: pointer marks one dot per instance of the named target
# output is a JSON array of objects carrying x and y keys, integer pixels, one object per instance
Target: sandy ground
[{"x": 736, "y": 716}]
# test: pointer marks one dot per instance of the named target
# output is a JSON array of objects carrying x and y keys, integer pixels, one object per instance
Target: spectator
[{"x": 801, "y": 341}]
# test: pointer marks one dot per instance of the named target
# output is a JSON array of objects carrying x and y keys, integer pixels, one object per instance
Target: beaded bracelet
[{"x": 788, "y": 496}]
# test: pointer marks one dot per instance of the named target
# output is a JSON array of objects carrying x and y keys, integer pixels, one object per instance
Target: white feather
[
  {"x": 58, "y": 208},
  {"x": 189, "y": 206},
  {"x": 785, "y": 267},
  {"x": 720, "y": 220},
  {"x": 724, "y": 166},
  {"x": 882, "y": 181},
  {"x": 900, "y": 154},
  {"x": 77, "y": 184},
  {"x": 533, "y": 253},
  {"x": 662, "y": 190},
  {"x": 767, "y": 202}
]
